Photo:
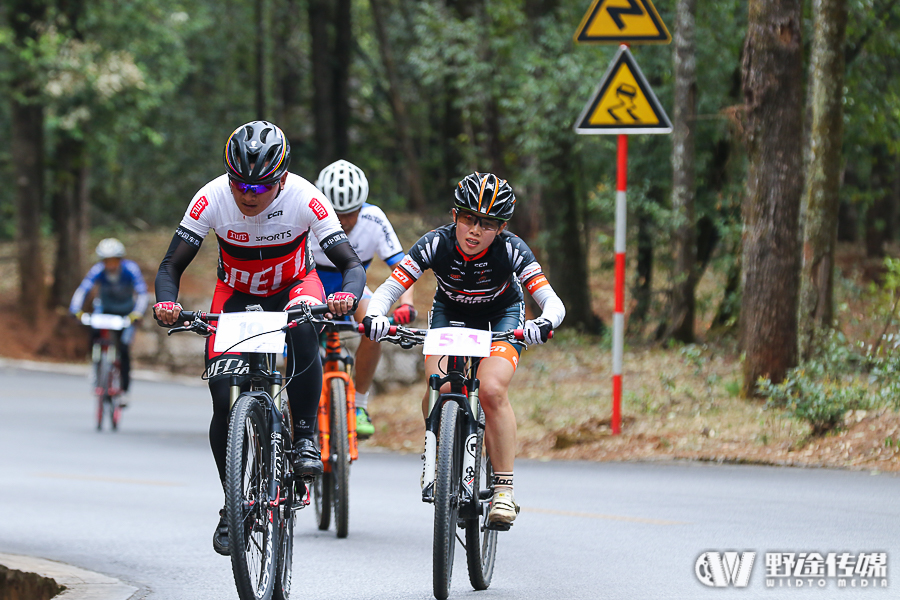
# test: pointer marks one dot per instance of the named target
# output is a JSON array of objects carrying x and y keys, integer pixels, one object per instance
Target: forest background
[{"x": 786, "y": 119}]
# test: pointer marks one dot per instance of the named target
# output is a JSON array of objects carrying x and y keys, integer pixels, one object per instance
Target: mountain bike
[
  {"x": 261, "y": 492},
  {"x": 457, "y": 472},
  {"x": 106, "y": 365},
  {"x": 337, "y": 431}
]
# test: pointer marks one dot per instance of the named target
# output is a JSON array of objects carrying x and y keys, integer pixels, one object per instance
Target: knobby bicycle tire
[
  {"x": 323, "y": 488},
  {"x": 446, "y": 499},
  {"x": 102, "y": 371},
  {"x": 481, "y": 544},
  {"x": 285, "y": 562},
  {"x": 251, "y": 531},
  {"x": 340, "y": 457}
]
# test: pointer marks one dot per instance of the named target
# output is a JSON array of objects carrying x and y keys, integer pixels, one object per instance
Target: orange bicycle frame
[{"x": 332, "y": 370}]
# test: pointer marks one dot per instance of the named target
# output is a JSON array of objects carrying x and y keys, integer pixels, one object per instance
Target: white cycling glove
[
  {"x": 537, "y": 331},
  {"x": 376, "y": 327}
]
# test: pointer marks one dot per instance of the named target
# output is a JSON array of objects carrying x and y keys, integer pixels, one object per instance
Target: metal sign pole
[{"x": 619, "y": 315}]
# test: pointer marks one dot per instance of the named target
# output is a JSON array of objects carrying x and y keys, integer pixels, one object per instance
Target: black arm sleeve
[
  {"x": 180, "y": 254},
  {"x": 344, "y": 258}
]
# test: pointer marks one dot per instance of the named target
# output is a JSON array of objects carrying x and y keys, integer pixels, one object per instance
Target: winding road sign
[{"x": 622, "y": 22}]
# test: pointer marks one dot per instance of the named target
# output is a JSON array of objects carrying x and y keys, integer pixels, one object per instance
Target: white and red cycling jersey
[{"x": 262, "y": 255}]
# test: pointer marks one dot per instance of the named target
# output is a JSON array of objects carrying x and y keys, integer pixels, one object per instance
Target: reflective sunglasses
[
  {"x": 245, "y": 188},
  {"x": 469, "y": 220}
]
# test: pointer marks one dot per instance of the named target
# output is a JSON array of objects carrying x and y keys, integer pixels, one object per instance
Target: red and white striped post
[{"x": 619, "y": 314}]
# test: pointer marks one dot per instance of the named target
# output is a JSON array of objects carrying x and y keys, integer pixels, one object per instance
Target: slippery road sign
[{"x": 623, "y": 102}]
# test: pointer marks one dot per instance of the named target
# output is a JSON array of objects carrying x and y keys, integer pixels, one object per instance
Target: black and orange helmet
[
  {"x": 257, "y": 152},
  {"x": 486, "y": 194}
]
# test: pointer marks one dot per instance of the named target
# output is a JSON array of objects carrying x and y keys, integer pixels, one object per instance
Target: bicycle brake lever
[{"x": 177, "y": 329}]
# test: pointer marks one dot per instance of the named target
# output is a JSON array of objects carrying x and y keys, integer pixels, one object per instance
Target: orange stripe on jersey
[
  {"x": 506, "y": 351},
  {"x": 402, "y": 277},
  {"x": 536, "y": 283}
]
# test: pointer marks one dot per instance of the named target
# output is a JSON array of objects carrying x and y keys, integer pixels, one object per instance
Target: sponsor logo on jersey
[
  {"x": 238, "y": 237},
  {"x": 481, "y": 264},
  {"x": 277, "y": 213},
  {"x": 274, "y": 237},
  {"x": 536, "y": 283},
  {"x": 400, "y": 276},
  {"x": 320, "y": 211},
  {"x": 198, "y": 208},
  {"x": 410, "y": 265}
]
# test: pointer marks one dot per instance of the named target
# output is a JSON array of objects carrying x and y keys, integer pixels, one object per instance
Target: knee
[{"x": 492, "y": 395}]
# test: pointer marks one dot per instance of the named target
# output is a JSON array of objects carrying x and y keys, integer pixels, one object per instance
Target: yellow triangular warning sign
[
  {"x": 623, "y": 102},
  {"x": 622, "y": 21}
]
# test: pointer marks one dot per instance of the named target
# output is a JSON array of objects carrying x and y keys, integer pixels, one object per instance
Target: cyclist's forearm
[
  {"x": 552, "y": 306},
  {"x": 176, "y": 260},
  {"x": 344, "y": 258},
  {"x": 384, "y": 297}
]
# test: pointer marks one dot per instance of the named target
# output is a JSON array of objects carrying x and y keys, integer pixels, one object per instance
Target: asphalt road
[{"x": 141, "y": 504}]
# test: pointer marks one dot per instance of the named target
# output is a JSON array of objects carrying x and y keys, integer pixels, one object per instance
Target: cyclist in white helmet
[
  {"x": 121, "y": 290},
  {"x": 370, "y": 233}
]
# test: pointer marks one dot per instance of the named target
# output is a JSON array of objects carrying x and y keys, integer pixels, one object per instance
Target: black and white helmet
[
  {"x": 257, "y": 153},
  {"x": 345, "y": 184},
  {"x": 486, "y": 194}
]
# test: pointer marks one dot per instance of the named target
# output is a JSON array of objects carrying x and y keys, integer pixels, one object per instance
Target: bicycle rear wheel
[
  {"x": 285, "y": 513},
  {"x": 251, "y": 529},
  {"x": 446, "y": 499},
  {"x": 481, "y": 543},
  {"x": 340, "y": 457}
]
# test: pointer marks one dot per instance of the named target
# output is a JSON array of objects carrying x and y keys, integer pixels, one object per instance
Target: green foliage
[{"x": 822, "y": 390}]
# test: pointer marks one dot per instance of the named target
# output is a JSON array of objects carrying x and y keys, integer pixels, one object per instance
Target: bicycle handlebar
[{"x": 397, "y": 334}]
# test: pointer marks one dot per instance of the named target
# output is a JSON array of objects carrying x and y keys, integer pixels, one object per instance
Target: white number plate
[
  {"x": 233, "y": 328},
  {"x": 104, "y": 321},
  {"x": 457, "y": 341}
]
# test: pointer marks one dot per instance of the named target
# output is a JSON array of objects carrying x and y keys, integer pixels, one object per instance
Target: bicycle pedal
[{"x": 497, "y": 526}]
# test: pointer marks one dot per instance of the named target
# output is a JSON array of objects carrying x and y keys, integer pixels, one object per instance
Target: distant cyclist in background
[
  {"x": 120, "y": 291},
  {"x": 370, "y": 233}
]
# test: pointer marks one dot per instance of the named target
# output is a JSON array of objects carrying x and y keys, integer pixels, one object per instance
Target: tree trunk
[
  {"x": 261, "y": 29},
  {"x": 323, "y": 104},
  {"x": 28, "y": 140},
  {"x": 69, "y": 217},
  {"x": 343, "y": 46},
  {"x": 683, "y": 306},
  {"x": 568, "y": 254},
  {"x": 879, "y": 214},
  {"x": 643, "y": 277},
  {"x": 822, "y": 187},
  {"x": 398, "y": 106},
  {"x": 772, "y": 71}
]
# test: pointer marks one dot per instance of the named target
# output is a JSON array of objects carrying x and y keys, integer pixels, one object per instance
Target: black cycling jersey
[{"x": 480, "y": 284}]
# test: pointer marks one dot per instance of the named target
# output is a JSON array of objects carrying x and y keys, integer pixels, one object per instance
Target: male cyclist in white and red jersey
[
  {"x": 262, "y": 216},
  {"x": 481, "y": 269},
  {"x": 370, "y": 233}
]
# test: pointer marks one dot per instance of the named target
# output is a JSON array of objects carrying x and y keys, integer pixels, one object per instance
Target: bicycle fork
[{"x": 469, "y": 404}]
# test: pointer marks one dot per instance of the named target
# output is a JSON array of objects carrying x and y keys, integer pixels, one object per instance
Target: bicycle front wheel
[
  {"x": 284, "y": 569},
  {"x": 481, "y": 543},
  {"x": 101, "y": 385},
  {"x": 446, "y": 498},
  {"x": 340, "y": 457},
  {"x": 251, "y": 526}
]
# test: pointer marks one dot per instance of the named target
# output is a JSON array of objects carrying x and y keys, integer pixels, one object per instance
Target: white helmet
[
  {"x": 110, "y": 248},
  {"x": 345, "y": 185}
]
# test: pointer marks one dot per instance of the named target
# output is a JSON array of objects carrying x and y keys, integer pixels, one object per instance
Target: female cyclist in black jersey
[{"x": 481, "y": 269}]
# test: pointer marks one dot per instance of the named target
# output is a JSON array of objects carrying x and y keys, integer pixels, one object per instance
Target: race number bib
[
  {"x": 251, "y": 331},
  {"x": 457, "y": 341}
]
